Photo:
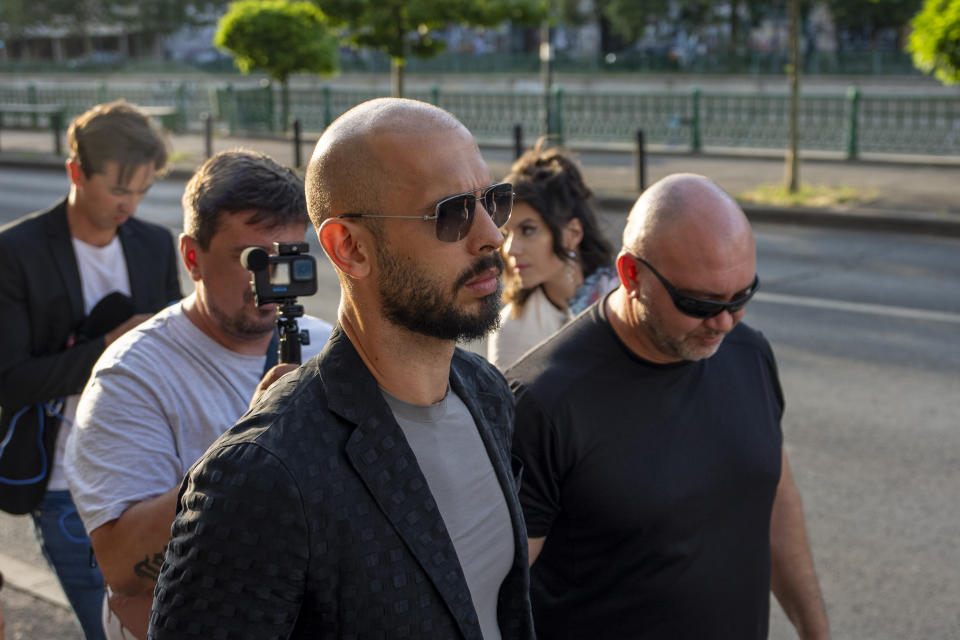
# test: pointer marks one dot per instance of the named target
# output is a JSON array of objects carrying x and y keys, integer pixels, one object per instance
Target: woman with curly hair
[{"x": 557, "y": 260}]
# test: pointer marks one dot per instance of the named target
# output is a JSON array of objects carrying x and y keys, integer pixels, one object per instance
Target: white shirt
[{"x": 103, "y": 270}]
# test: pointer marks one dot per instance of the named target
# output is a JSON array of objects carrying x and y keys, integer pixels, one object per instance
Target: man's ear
[
  {"x": 188, "y": 253},
  {"x": 572, "y": 234},
  {"x": 627, "y": 270},
  {"x": 348, "y": 245},
  {"x": 74, "y": 172}
]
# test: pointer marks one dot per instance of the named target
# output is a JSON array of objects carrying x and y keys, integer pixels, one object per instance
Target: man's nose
[{"x": 723, "y": 321}]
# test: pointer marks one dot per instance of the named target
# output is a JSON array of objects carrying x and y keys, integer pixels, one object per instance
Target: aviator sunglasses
[
  {"x": 454, "y": 215},
  {"x": 698, "y": 307}
]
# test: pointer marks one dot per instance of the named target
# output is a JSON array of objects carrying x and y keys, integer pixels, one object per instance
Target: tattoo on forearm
[{"x": 149, "y": 567}]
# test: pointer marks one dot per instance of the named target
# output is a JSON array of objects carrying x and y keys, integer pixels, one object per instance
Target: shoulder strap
[{"x": 272, "y": 354}]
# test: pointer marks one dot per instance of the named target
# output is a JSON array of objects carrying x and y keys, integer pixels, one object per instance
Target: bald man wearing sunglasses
[
  {"x": 656, "y": 490},
  {"x": 371, "y": 493}
]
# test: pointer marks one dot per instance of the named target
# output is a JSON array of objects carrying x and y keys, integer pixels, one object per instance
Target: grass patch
[
  {"x": 806, "y": 196},
  {"x": 182, "y": 157}
]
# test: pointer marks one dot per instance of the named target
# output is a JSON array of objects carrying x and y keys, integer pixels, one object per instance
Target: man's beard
[
  {"x": 243, "y": 325},
  {"x": 413, "y": 300},
  {"x": 682, "y": 347}
]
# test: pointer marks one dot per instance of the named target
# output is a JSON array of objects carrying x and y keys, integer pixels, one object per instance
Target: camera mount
[{"x": 280, "y": 279}]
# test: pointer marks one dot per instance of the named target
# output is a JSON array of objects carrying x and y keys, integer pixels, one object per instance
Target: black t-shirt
[{"x": 653, "y": 485}]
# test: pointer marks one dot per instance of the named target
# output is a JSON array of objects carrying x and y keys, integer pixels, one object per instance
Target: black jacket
[
  {"x": 311, "y": 518},
  {"x": 42, "y": 355}
]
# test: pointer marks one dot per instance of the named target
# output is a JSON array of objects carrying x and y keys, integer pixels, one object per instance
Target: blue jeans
[{"x": 67, "y": 548}]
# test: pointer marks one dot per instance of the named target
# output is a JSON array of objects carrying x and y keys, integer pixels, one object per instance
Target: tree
[
  {"x": 873, "y": 16},
  {"x": 935, "y": 40},
  {"x": 793, "y": 166},
  {"x": 401, "y": 28},
  {"x": 629, "y": 18},
  {"x": 280, "y": 38}
]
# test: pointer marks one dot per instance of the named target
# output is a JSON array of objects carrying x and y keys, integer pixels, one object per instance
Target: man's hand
[
  {"x": 274, "y": 374},
  {"x": 121, "y": 329}
]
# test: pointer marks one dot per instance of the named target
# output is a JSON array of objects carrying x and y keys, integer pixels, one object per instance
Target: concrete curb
[{"x": 37, "y": 581}]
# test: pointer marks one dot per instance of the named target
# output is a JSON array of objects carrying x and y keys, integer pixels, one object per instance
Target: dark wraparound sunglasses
[
  {"x": 698, "y": 307},
  {"x": 454, "y": 215}
]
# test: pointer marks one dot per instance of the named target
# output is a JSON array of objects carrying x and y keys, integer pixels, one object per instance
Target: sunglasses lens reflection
[
  {"x": 455, "y": 215},
  {"x": 498, "y": 202}
]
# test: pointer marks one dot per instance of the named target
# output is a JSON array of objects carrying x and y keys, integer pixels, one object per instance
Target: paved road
[{"x": 866, "y": 327}]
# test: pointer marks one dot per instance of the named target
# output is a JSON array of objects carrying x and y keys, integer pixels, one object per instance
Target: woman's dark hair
[{"x": 549, "y": 181}]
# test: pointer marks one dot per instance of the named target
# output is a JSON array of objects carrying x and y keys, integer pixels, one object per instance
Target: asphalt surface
[
  {"x": 911, "y": 471},
  {"x": 909, "y": 194}
]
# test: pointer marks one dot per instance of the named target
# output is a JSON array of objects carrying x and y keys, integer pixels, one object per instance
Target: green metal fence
[
  {"x": 850, "y": 123},
  {"x": 652, "y": 60}
]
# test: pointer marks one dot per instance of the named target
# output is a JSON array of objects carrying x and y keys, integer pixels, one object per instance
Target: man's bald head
[
  {"x": 347, "y": 173},
  {"x": 683, "y": 205}
]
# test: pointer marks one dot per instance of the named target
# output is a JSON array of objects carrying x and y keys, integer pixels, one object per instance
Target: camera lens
[{"x": 303, "y": 269}]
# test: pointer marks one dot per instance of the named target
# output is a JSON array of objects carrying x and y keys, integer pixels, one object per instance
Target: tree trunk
[
  {"x": 792, "y": 176},
  {"x": 396, "y": 77}
]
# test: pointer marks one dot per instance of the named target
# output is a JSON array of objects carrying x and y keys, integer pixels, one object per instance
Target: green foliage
[
  {"x": 872, "y": 15},
  {"x": 629, "y": 18},
  {"x": 935, "y": 41},
  {"x": 402, "y": 28},
  {"x": 278, "y": 37}
]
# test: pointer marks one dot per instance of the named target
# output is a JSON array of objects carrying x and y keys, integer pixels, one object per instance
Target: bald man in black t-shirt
[{"x": 658, "y": 497}]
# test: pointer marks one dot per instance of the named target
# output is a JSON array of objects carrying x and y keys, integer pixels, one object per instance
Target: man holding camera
[
  {"x": 160, "y": 396},
  {"x": 371, "y": 493},
  {"x": 74, "y": 278}
]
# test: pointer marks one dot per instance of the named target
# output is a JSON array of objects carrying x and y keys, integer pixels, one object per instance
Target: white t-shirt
[
  {"x": 103, "y": 270},
  {"x": 538, "y": 319},
  {"x": 157, "y": 399}
]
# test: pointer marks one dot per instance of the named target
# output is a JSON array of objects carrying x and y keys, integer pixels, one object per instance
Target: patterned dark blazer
[{"x": 311, "y": 518}]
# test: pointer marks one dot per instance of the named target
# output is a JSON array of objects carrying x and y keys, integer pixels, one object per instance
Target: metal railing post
[
  {"x": 641, "y": 160},
  {"x": 181, "y": 119},
  {"x": 558, "y": 114},
  {"x": 327, "y": 106},
  {"x": 517, "y": 140},
  {"x": 207, "y": 120},
  {"x": 853, "y": 98},
  {"x": 232, "y": 108},
  {"x": 271, "y": 111},
  {"x": 56, "y": 123},
  {"x": 32, "y": 99},
  {"x": 297, "y": 159},
  {"x": 696, "y": 143}
]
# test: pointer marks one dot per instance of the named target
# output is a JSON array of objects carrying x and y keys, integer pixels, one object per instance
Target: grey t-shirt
[
  {"x": 461, "y": 478},
  {"x": 156, "y": 399}
]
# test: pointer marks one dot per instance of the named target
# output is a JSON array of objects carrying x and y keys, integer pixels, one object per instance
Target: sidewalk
[{"x": 911, "y": 195}]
